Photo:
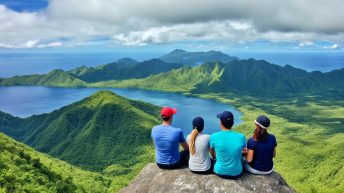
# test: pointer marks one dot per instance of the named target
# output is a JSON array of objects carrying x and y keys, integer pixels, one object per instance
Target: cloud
[
  {"x": 306, "y": 43},
  {"x": 31, "y": 44},
  {"x": 139, "y": 22},
  {"x": 334, "y": 46}
]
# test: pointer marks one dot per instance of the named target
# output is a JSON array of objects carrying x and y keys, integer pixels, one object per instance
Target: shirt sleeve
[
  {"x": 181, "y": 137},
  {"x": 275, "y": 142},
  {"x": 251, "y": 144}
]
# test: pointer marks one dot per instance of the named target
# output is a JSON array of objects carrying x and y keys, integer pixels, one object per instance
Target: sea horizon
[{"x": 15, "y": 63}]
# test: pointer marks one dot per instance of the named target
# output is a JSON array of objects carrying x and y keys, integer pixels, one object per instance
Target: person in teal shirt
[{"x": 226, "y": 147}]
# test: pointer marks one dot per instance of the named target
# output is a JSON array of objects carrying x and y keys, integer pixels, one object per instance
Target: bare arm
[
  {"x": 212, "y": 153},
  {"x": 185, "y": 145},
  {"x": 249, "y": 155}
]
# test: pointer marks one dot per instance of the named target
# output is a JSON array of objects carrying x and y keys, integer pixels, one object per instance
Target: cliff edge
[{"x": 154, "y": 180}]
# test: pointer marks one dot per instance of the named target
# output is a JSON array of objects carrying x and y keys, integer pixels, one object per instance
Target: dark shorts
[{"x": 183, "y": 161}]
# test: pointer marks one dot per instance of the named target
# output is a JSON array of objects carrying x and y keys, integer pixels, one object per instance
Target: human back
[
  {"x": 198, "y": 142},
  {"x": 228, "y": 146},
  {"x": 263, "y": 152},
  {"x": 200, "y": 160},
  {"x": 167, "y": 139}
]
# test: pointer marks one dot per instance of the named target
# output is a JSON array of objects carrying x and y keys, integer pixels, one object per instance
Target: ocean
[{"x": 19, "y": 63}]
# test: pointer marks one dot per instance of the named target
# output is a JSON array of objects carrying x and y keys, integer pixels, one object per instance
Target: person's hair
[
  {"x": 193, "y": 136},
  {"x": 227, "y": 125},
  {"x": 166, "y": 118},
  {"x": 260, "y": 134}
]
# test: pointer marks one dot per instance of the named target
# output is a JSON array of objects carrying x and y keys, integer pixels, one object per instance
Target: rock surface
[{"x": 154, "y": 180}]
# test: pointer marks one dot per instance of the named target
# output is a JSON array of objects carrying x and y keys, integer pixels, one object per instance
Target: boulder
[{"x": 154, "y": 180}]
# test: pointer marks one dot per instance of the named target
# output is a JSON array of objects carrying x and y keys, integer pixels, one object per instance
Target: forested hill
[
  {"x": 241, "y": 76},
  {"x": 123, "y": 69},
  {"x": 251, "y": 76},
  {"x": 23, "y": 169},
  {"x": 93, "y": 133}
]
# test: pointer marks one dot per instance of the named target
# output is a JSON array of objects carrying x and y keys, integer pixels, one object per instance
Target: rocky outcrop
[{"x": 154, "y": 180}]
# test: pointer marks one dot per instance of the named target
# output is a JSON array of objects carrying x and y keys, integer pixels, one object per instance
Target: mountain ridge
[
  {"x": 195, "y": 58},
  {"x": 90, "y": 133}
]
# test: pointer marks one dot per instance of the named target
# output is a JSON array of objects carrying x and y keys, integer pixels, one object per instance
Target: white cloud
[
  {"x": 306, "y": 43},
  {"x": 334, "y": 46},
  {"x": 139, "y": 22},
  {"x": 31, "y": 44}
]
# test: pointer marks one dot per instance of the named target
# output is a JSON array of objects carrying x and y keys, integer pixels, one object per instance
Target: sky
[{"x": 292, "y": 25}]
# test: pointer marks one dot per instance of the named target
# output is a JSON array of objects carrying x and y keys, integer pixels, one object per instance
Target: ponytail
[{"x": 193, "y": 136}]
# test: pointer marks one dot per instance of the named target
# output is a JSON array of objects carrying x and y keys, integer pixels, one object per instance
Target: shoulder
[
  {"x": 205, "y": 137},
  {"x": 239, "y": 135},
  {"x": 214, "y": 135},
  {"x": 251, "y": 140},
  {"x": 155, "y": 128},
  {"x": 188, "y": 138}
]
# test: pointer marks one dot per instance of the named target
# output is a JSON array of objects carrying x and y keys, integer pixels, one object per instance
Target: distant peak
[{"x": 177, "y": 51}]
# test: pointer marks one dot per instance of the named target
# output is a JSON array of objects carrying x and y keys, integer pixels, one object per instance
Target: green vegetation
[
  {"x": 104, "y": 133},
  {"x": 53, "y": 78},
  {"x": 305, "y": 108},
  {"x": 23, "y": 169},
  {"x": 310, "y": 137},
  {"x": 247, "y": 77},
  {"x": 92, "y": 133}
]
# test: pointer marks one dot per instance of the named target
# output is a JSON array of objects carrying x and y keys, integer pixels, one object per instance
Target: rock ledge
[{"x": 154, "y": 180}]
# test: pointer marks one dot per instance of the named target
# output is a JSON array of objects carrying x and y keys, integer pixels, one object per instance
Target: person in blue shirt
[
  {"x": 261, "y": 149},
  {"x": 166, "y": 140},
  {"x": 226, "y": 147}
]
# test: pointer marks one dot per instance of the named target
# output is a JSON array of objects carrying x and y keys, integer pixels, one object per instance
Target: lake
[{"x": 24, "y": 101}]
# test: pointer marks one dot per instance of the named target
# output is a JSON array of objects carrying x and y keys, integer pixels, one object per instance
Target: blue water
[
  {"x": 19, "y": 63},
  {"x": 22, "y": 63},
  {"x": 24, "y": 101},
  {"x": 309, "y": 61}
]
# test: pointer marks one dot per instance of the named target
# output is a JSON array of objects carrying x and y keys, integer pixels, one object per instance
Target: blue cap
[
  {"x": 226, "y": 118},
  {"x": 263, "y": 121},
  {"x": 198, "y": 123}
]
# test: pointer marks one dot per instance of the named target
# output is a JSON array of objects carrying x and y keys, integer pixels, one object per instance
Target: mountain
[
  {"x": 124, "y": 69},
  {"x": 251, "y": 76},
  {"x": 127, "y": 61},
  {"x": 195, "y": 58},
  {"x": 104, "y": 132},
  {"x": 53, "y": 78},
  {"x": 153, "y": 179},
  {"x": 23, "y": 169}
]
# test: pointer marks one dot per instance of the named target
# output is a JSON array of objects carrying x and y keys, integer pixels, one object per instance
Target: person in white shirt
[{"x": 198, "y": 142}]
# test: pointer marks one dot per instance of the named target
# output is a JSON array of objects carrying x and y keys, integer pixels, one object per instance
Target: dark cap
[
  {"x": 226, "y": 118},
  {"x": 198, "y": 123},
  {"x": 263, "y": 121}
]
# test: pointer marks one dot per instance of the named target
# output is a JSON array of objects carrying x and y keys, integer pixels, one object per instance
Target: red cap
[{"x": 168, "y": 112}]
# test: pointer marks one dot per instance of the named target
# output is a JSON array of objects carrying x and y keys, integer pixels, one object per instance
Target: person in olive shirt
[{"x": 226, "y": 146}]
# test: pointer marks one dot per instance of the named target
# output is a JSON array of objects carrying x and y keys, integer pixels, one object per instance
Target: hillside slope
[
  {"x": 92, "y": 133},
  {"x": 23, "y": 169},
  {"x": 124, "y": 69},
  {"x": 240, "y": 76},
  {"x": 53, "y": 78}
]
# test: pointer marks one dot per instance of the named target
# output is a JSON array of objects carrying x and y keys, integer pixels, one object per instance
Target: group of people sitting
[{"x": 224, "y": 153}]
